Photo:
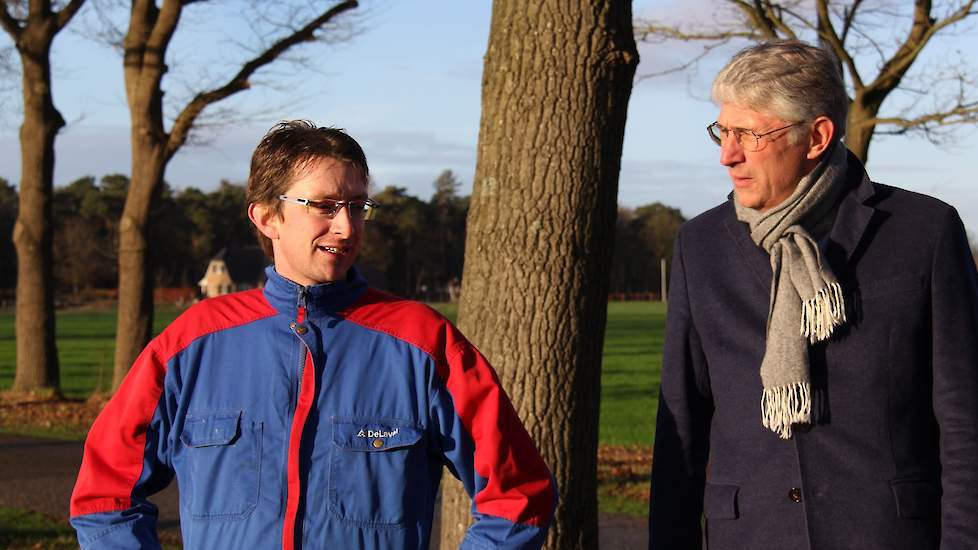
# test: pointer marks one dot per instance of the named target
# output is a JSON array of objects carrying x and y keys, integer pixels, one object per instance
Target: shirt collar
[{"x": 319, "y": 300}]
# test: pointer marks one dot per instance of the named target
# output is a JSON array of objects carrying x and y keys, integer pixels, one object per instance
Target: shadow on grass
[{"x": 24, "y": 529}]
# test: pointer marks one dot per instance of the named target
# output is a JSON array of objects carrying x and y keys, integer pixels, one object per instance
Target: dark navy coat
[{"x": 891, "y": 459}]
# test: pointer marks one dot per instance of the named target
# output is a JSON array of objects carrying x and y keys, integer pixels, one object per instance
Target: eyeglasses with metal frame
[
  {"x": 360, "y": 209},
  {"x": 748, "y": 139}
]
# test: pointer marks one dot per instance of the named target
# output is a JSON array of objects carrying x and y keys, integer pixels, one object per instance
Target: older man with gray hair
[{"x": 820, "y": 373}]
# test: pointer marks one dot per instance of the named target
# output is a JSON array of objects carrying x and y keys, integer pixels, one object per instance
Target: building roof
[{"x": 245, "y": 264}]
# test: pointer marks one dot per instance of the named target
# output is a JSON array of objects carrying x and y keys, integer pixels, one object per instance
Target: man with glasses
[
  {"x": 820, "y": 371},
  {"x": 315, "y": 412}
]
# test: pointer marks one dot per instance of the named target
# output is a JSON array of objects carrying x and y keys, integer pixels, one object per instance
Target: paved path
[{"x": 38, "y": 474}]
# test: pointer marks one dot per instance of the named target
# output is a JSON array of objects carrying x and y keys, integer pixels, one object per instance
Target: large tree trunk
[
  {"x": 556, "y": 84},
  {"x": 37, "y": 357},
  {"x": 135, "y": 312}
]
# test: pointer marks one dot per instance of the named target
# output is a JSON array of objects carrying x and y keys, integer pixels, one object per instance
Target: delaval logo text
[{"x": 376, "y": 433}]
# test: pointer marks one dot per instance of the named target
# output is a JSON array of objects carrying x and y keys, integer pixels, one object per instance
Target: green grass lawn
[
  {"x": 629, "y": 382},
  {"x": 86, "y": 342}
]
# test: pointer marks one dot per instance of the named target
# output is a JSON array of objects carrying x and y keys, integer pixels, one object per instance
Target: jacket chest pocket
[
  {"x": 378, "y": 475},
  {"x": 225, "y": 464}
]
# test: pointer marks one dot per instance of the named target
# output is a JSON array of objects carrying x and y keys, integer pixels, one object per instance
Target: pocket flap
[
  {"x": 208, "y": 430},
  {"x": 373, "y": 434},
  {"x": 720, "y": 501},
  {"x": 917, "y": 499}
]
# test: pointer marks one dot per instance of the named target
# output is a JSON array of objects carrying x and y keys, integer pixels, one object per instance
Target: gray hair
[{"x": 789, "y": 79}]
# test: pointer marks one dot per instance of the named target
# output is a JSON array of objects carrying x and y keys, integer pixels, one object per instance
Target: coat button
[
  {"x": 378, "y": 443},
  {"x": 794, "y": 495},
  {"x": 299, "y": 329}
]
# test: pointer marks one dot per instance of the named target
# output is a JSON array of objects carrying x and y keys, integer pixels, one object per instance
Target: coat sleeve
[
  {"x": 125, "y": 460},
  {"x": 682, "y": 425},
  {"x": 954, "y": 287},
  {"x": 485, "y": 445}
]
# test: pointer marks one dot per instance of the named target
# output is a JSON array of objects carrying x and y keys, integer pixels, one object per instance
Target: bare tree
[
  {"x": 556, "y": 84},
  {"x": 32, "y": 26},
  {"x": 151, "y": 28},
  {"x": 876, "y": 55}
]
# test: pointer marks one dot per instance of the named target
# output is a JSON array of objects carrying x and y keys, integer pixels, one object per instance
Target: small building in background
[{"x": 234, "y": 269}]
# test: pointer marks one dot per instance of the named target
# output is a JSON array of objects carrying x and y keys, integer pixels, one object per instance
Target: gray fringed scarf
[{"x": 804, "y": 291}]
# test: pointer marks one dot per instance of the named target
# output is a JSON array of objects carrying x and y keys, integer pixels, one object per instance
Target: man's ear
[
  {"x": 823, "y": 130},
  {"x": 264, "y": 219}
]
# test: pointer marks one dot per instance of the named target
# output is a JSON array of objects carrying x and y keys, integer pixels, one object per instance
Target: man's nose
[
  {"x": 342, "y": 223},
  {"x": 731, "y": 152}
]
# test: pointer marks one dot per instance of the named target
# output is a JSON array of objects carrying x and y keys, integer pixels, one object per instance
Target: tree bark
[
  {"x": 134, "y": 326},
  {"x": 37, "y": 357},
  {"x": 556, "y": 84},
  {"x": 149, "y": 34},
  {"x": 860, "y": 128}
]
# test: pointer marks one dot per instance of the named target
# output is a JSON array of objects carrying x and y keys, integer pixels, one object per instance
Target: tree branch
[
  {"x": 69, "y": 11},
  {"x": 757, "y": 19},
  {"x": 649, "y": 30},
  {"x": 683, "y": 66},
  {"x": 923, "y": 29},
  {"x": 164, "y": 27},
  {"x": 965, "y": 113},
  {"x": 9, "y": 23},
  {"x": 848, "y": 17},
  {"x": 828, "y": 35},
  {"x": 239, "y": 82}
]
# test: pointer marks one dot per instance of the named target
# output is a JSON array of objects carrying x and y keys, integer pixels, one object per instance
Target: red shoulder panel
[{"x": 113, "y": 459}]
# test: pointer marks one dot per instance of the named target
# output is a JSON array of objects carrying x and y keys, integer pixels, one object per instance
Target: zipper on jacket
[
  {"x": 299, "y": 329},
  {"x": 300, "y": 316}
]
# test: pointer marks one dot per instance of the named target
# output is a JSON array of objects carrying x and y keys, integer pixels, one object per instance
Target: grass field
[
  {"x": 86, "y": 341},
  {"x": 629, "y": 382}
]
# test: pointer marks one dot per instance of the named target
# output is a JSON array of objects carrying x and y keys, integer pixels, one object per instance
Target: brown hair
[{"x": 286, "y": 150}]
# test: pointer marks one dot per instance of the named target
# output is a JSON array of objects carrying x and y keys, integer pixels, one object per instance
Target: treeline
[{"x": 413, "y": 248}]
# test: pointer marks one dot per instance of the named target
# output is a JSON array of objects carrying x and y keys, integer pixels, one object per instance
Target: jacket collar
[
  {"x": 319, "y": 300},
  {"x": 853, "y": 216},
  {"x": 851, "y": 221}
]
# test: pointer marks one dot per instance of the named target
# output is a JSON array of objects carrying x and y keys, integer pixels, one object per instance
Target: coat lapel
[
  {"x": 853, "y": 216},
  {"x": 758, "y": 260}
]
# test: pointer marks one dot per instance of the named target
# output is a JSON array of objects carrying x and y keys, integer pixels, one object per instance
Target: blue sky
[{"x": 408, "y": 87}]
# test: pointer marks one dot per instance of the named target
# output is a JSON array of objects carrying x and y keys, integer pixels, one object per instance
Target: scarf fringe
[
  {"x": 822, "y": 313},
  {"x": 786, "y": 405}
]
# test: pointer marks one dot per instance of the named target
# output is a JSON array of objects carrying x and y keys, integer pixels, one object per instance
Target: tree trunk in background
[
  {"x": 134, "y": 326},
  {"x": 859, "y": 129},
  {"x": 146, "y": 41},
  {"x": 37, "y": 355},
  {"x": 556, "y": 84}
]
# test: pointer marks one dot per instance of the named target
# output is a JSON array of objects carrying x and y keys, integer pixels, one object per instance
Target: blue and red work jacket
[{"x": 309, "y": 417}]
